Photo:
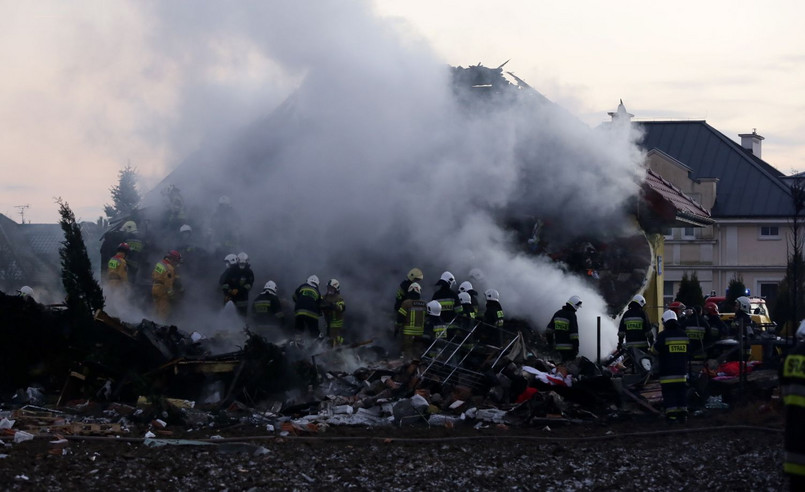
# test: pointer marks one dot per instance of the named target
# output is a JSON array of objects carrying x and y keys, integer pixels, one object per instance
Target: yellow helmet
[{"x": 415, "y": 275}]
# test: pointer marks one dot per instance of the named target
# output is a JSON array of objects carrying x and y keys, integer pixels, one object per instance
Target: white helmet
[
  {"x": 415, "y": 287},
  {"x": 231, "y": 259},
  {"x": 129, "y": 226},
  {"x": 335, "y": 284},
  {"x": 449, "y": 278},
  {"x": 743, "y": 304},
  {"x": 492, "y": 295},
  {"x": 575, "y": 302},
  {"x": 464, "y": 298},
  {"x": 26, "y": 291},
  {"x": 270, "y": 286},
  {"x": 224, "y": 200},
  {"x": 465, "y": 286},
  {"x": 434, "y": 308},
  {"x": 243, "y": 260},
  {"x": 668, "y": 315},
  {"x": 186, "y": 228},
  {"x": 313, "y": 281},
  {"x": 639, "y": 299}
]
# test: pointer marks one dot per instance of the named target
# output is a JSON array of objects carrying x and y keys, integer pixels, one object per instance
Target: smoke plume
[{"x": 374, "y": 164}]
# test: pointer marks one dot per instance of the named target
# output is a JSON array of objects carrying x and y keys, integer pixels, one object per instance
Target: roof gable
[{"x": 747, "y": 186}]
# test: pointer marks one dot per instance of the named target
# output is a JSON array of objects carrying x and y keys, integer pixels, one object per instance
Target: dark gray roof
[{"x": 747, "y": 185}]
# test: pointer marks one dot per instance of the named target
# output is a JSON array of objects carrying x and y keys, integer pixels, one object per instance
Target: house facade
[{"x": 748, "y": 199}]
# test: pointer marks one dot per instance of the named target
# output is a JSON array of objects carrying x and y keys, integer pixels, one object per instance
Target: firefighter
[
  {"x": 133, "y": 238},
  {"x": 433, "y": 322},
  {"x": 792, "y": 389},
  {"x": 466, "y": 286},
  {"x": 678, "y": 308},
  {"x": 267, "y": 309},
  {"x": 117, "y": 275},
  {"x": 411, "y": 319},
  {"x": 490, "y": 332},
  {"x": 700, "y": 333},
  {"x": 466, "y": 315},
  {"x": 193, "y": 256},
  {"x": 333, "y": 307},
  {"x": 26, "y": 293},
  {"x": 563, "y": 329},
  {"x": 446, "y": 296},
  {"x": 634, "y": 331},
  {"x": 307, "y": 307},
  {"x": 165, "y": 285},
  {"x": 414, "y": 275},
  {"x": 672, "y": 350},
  {"x": 714, "y": 318},
  {"x": 236, "y": 282},
  {"x": 742, "y": 325}
]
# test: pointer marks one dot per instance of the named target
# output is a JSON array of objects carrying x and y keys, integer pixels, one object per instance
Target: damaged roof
[
  {"x": 747, "y": 185},
  {"x": 670, "y": 203}
]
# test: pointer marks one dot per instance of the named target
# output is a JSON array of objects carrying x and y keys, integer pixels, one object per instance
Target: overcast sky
[{"x": 91, "y": 86}]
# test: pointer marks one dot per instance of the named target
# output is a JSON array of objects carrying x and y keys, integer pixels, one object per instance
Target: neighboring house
[
  {"x": 748, "y": 199},
  {"x": 29, "y": 255}
]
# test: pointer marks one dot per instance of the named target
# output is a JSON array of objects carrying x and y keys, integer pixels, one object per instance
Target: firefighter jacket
[
  {"x": 163, "y": 279},
  {"x": 402, "y": 293},
  {"x": 565, "y": 329},
  {"x": 701, "y": 335},
  {"x": 466, "y": 315},
  {"x": 333, "y": 307},
  {"x": 634, "y": 329},
  {"x": 411, "y": 316},
  {"x": 717, "y": 326},
  {"x": 136, "y": 247},
  {"x": 435, "y": 327},
  {"x": 448, "y": 299},
  {"x": 307, "y": 301},
  {"x": 792, "y": 388},
  {"x": 116, "y": 269},
  {"x": 267, "y": 310},
  {"x": 489, "y": 333},
  {"x": 672, "y": 348},
  {"x": 742, "y": 317},
  {"x": 236, "y": 282}
]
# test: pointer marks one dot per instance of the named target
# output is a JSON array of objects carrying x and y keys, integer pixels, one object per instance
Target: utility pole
[{"x": 21, "y": 209}]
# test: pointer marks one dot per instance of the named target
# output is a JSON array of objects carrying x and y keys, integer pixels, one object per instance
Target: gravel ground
[{"x": 708, "y": 453}]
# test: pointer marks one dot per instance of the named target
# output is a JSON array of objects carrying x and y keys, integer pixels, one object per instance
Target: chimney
[
  {"x": 620, "y": 113},
  {"x": 751, "y": 142}
]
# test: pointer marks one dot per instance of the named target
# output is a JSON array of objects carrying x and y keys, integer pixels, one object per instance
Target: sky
[{"x": 87, "y": 90}]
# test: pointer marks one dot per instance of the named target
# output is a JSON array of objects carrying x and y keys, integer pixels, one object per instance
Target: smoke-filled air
[{"x": 376, "y": 161}]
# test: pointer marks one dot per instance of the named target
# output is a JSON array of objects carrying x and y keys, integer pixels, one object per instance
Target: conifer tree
[
  {"x": 84, "y": 295},
  {"x": 125, "y": 196}
]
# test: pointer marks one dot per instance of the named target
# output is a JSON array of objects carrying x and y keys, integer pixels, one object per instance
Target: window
[
  {"x": 769, "y": 232},
  {"x": 689, "y": 233},
  {"x": 668, "y": 292},
  {"x": 668, "y": 233}
]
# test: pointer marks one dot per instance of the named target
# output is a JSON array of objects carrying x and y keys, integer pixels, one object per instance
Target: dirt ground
[{"x": 739, "y": 450}]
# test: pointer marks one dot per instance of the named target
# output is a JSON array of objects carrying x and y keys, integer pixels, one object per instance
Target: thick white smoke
[{"x": 373, "y": 166}]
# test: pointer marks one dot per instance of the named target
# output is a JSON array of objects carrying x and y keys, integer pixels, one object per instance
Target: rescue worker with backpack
[
  {"x": 333, "y": 307},
  {"x": 165, "y": 284},
  {"x": 563, "y": 329}
]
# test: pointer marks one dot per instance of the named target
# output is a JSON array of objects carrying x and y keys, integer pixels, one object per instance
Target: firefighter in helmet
[
  {"x": 332, "y": 308},
  {"x": 267, "y": 308},
  {"x": 411, "y": 319},
  {"x": 672, "y": 348},
  {"x": 634, "y": 330},
  {"x": 414, "y": 275},
  {"x": 446, "y": 296},
  {"x": 165, "y": 284},
  {"x": 564, "y": 329},
  {"x": 236, "y": 282},
  {"x": 307, "y": 307}
]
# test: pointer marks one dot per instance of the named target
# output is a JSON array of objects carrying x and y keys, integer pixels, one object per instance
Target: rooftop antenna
[{"x": 21, "y": 209}]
